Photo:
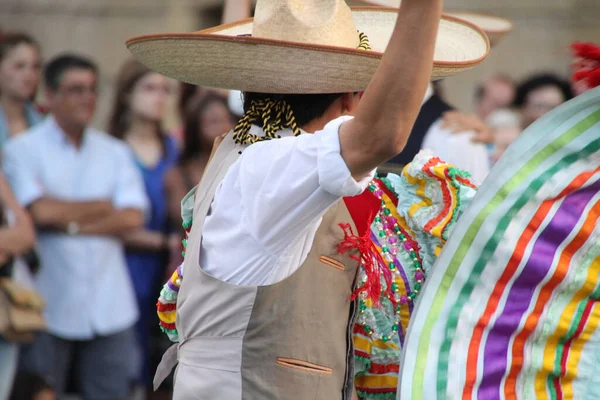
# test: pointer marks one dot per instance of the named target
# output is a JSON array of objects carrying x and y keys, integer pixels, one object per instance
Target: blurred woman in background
[
  {"x": 189, "y": 95},
  {"x": 20, "y": 71},
  {"x": 205, "y": 120},
  {"x": 139, "y": 109},
  {"x": 539, "y": 94}
]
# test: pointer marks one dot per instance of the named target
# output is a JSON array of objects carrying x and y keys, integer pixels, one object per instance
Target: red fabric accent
[
  {"x": 447, "y": 196},
  {"x": 388, "y": 192},
  {"x": 358, "y": 328},
  {"x": 170, "y": 327},
  {"x": 362, "y": 354},
  {"x": 382, "y": 369},
  {"x": 367, "y": 256},
  {"x": 362, "y": 209},
  {"x": 376, "y": 390},
  {"x": 466, "y": 182},
  {"x": 161, "y": 307}
]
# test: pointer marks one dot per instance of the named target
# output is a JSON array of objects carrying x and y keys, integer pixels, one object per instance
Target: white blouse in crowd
[{"x": 457, "y": 148}]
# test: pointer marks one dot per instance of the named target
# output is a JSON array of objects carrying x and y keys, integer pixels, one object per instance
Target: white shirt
[
  {"x": 268, "y": 207},
  {"x": 458, "y": 150},
  {"x": 84, "y": 279}
]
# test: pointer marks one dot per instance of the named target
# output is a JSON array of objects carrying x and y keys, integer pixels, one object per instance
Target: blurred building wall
[
  {"x": 543, "y": 31},
  {"x": 99, "y": 28}
]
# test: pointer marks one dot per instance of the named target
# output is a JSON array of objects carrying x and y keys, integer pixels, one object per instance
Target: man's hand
[{"x": 458, "y": 122}]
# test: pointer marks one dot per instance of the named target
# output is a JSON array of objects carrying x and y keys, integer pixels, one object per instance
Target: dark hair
[
  {"x": 131, "y": 72},
  {"x": 536, "y": 82},
  {"x": 56, "y": 68},
  {"x": 10, "y": 40},
  {"x": 27, "y": 385},
  {"x": 306, "y": 107},
  {"x": 187, "y": 92},
  {"x": 193, "y": 145}
]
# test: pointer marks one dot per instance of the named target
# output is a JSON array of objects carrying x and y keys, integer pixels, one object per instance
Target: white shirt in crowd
[
  {"x": 457, "y": 149},
  {"x": 269, "y": 206},
  {"x": 84, "y": 279}
]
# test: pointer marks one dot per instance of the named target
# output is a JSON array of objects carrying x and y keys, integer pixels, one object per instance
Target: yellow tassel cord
[{"x": 275, "y": 115}]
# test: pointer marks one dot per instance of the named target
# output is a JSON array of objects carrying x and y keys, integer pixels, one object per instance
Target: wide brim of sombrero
[
  {"x": 228, "y": 57},
  {"x": 495, "y": 27}
]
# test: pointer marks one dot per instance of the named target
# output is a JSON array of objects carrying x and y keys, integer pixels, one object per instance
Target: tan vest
[{"x": 290, "y": 340}]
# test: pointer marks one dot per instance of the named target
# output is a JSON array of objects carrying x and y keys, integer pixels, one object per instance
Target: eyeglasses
[
  {"x": 151, "y": 88},
  {"x": 79, "y": 90}
]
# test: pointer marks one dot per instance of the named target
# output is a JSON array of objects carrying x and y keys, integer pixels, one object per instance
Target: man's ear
[{"x": 350, "y": 102}]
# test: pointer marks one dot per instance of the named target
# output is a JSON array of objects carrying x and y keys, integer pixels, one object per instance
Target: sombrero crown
[{"x": 300, "y": 46}]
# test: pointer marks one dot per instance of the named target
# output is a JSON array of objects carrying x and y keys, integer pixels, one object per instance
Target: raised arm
[{"x": 390, "y": 105}]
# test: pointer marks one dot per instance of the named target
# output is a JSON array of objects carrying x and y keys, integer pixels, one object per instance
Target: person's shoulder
[
  {"x": 32, "y": 138},
  {"x": 34, "y": 115},
  {"x": 106, "y": 140}
]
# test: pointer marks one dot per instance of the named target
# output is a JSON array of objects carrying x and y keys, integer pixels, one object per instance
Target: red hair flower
[{"x": 586, "y": 65}]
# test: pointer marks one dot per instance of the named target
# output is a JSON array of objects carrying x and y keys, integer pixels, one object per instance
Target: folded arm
[
  {"x": 129, "y": 202},
  {"x": 55, "y": 214},
  {"x": 143, "y": 239},
  {"x": 390, "y": 105},
  {"x": 117, "y": 223}
]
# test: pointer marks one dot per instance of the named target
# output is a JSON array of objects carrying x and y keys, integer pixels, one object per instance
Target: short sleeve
[
  {"x": 130, "y": 190},
  {"x": 21, "y": 170},
  {"x": 334, "y": 175},
  {"x": 286, "y": 184}
]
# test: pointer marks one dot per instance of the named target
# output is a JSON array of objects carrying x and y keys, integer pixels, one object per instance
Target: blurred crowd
[{"x": 92, "y": 216}]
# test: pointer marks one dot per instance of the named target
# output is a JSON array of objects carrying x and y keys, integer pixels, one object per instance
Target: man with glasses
[{"x": 84, "y": 193}]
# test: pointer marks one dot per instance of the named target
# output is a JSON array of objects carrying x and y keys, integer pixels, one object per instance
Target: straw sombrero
[
  {"x": 299, "y": 46},
  {"x": 494, "y": 27}
]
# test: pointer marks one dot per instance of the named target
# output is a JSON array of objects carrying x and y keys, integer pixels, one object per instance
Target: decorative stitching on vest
[
  {"x": 332, "y": 262},
  {"x": 305, "y": 366}
]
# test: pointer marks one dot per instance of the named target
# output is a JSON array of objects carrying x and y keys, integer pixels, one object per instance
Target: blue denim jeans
[{"x": 105, "y": 366}]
